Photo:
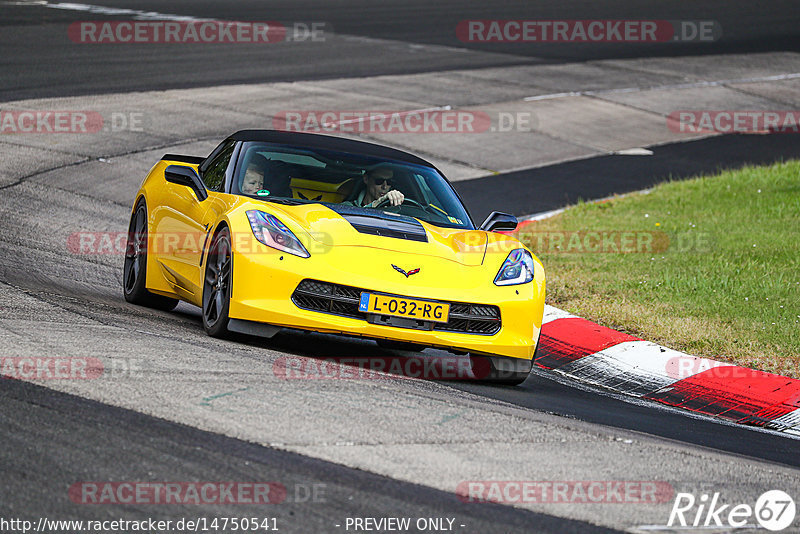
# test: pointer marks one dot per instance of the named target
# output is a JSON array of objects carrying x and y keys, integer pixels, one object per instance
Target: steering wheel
[{"x": 406, "y": 199}]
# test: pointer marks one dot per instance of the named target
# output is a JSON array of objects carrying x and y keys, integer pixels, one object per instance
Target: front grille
[
  {"x": 337, "y": 299},
  {"x": 328, "y": 298},
  {"x": 472, "y": 319}
]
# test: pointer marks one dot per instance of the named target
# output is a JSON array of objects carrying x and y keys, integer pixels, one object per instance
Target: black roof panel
[{"x": 328, "y": 142}]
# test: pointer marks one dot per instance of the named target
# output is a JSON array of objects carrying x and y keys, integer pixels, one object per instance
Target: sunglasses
[{"x": 381, "y": 181}]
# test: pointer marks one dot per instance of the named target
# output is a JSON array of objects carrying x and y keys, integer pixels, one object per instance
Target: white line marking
[
  {"x": 137, "y": 14},
  {"x": 637, "y": 367},
  {"x": 554, "y": 95},
  {"x": 639, "y": 151},
  {"x": 551, "y": 314},
  {"x": 708, "y": 83},
  {"x": 541, "y": 216},
  {"x": 789, "y": 423}
]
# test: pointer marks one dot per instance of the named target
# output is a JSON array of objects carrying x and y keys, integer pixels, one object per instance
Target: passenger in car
[
  {"x": 253, "y": 179},
  {"x": 267, "y": 176}
]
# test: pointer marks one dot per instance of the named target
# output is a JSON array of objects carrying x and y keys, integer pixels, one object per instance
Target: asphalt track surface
[
  {"x": 37, "y": 59},
  {"x": 65, "y": 438},
  {"x": 132, "y": 446}
]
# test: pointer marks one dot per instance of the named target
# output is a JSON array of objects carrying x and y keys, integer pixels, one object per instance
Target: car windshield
[{"x": 297, "y": 175}]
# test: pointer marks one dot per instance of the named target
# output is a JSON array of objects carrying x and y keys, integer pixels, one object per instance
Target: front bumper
[{"x": 265, "y": 290}]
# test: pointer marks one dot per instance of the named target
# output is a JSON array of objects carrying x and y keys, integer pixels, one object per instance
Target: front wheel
[
  {"x": 217, "y": 285},
  {"x": 134, "y": 272}
]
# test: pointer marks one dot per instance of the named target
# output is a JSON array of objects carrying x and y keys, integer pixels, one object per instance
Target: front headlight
[
  {"x": 517, "y": 269},
  {"x": 272, "y": 232}
]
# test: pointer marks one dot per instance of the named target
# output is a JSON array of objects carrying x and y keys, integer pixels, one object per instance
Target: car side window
[{"x": 214, "y": 176}]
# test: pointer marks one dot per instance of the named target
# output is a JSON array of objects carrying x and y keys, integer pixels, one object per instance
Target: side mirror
[
  {"x": 499, "y": 221},
  {"x": 181, "y": 175}
]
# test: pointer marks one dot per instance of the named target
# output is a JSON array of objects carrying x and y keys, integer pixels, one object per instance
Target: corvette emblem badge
[{"x": 406, "y": 274}]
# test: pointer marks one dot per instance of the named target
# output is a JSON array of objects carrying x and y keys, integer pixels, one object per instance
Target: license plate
[{"x": 422, "y": 310}]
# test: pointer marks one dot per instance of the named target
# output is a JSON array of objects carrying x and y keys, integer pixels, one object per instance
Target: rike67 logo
[{"x": 774, "y": 510}]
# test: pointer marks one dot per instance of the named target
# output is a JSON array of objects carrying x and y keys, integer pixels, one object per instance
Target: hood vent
[{"x": 368, "y": 221}]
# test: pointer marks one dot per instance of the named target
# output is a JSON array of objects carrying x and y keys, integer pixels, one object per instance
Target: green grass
[{"x": 726, "y": 286}]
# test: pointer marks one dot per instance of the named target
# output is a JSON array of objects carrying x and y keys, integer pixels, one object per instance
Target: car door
[{"x": 186, "y": 223}]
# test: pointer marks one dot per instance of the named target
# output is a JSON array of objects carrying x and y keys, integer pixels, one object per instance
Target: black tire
[
  {"x": 217, "y": 285},
  {"x": 134, "y": 271},
  {"x": 399, "y": 345},
  {"x": 500, "y": 370}
]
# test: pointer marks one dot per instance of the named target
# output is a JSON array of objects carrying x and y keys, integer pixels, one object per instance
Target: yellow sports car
[{"x": 292, "y": 230}]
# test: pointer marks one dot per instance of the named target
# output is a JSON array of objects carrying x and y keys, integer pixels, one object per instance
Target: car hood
[{"x": 352, "y": 226}]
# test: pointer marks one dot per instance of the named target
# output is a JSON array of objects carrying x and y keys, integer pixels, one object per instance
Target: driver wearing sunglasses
[{"x": 379, "y": 188}]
